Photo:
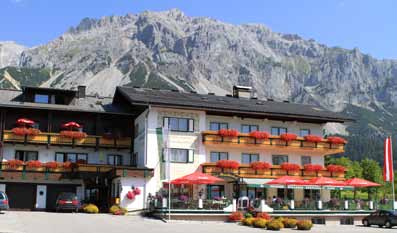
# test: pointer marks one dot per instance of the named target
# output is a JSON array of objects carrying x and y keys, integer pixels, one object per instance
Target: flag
[{"x": 388, "y": 161}]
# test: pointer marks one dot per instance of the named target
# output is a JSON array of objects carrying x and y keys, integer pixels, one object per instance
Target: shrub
[
  {"x": 248, "y": 215},
  {"x": 289, "y": 222},
  {"x": 248, "y": 221},
  {"x": 235, "y": 216},
  {"x": 304, "y": 225},
  {"x": 263, "y": 215},
  {"x": 118, "y": 210},
  {"x": 275, "y": 225},
  {"x": 260, "y": 223},
  {"x": 91, "y": 208}
]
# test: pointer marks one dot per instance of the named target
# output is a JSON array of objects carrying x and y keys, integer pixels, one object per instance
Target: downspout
[{"x": 145, "y": 155}]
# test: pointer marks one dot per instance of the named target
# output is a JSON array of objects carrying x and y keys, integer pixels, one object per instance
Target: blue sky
[{"x": 369, "y": 25}]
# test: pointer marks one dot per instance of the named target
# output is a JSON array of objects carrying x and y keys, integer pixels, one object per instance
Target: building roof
[
  {"x": 12, "y": 99},
  {"x": 227, "y": 105}
]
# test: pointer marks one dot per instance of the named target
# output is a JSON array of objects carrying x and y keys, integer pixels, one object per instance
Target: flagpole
[{"x": 392, "y": 170}]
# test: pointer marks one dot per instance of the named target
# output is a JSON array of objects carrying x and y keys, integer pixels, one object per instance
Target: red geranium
[
  {"x": 290, "y": 167},
  {"x": 228, "y": 164},
  {"x": 263, "y": 215},
  {"x": 259, "y": 135},
  {"x": 258, "y": 165},
  {"x": 336, "y": 168},
  {"x": 22, "y": 131},
  {"x": 313, "y": 138},
  {"x": 33, "y": 164},
  {"x": 235, "y": 216},
  {"x": 137, "y": 191},
  {"x": 336, "y": 140},
  {"x": 51, "y": 165},
  {"x": 288, "y": 137},
  {"x": 228, "y": 132},
  {"x": 14, "y": 163},
  {"x": 131, "y": 195},
  {"x": 313, "y": 167},
  {"x": 73, "y": 134},
  {"x": 67, "y": 164}
]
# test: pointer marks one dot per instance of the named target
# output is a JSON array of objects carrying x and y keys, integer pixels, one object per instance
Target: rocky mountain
[
  {"x": 10, "y": 53},
  {"x": 171, "y": 50}
]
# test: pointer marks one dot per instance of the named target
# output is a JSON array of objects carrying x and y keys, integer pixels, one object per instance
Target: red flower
[
  {"x": 228, "y": 164},
  {"x": 288, "y": 137},
  {"x": 313, "y": 138},
  {"x": 15, "y": 163},
  {"x": 235, "y": 216},
  {"x": 22, "y": 131},
  {"x": 263, "y": 215},
  {"x": 131, "y": 195},
  {"x": 290, "y": 167},
  {"x": 73, "y": 134},
  {"x": 51, "y": 165},
  {"x": 336, "y": 168},
  {"x": 313, "y": 167},
  {"x": 137, "y": 191},
  {"x": 33, "y": 164},
  {"x": 336, "y": 140},
  {"x": 260, "y": 165},
  {"x": 259, "y": 135},
  {"x": 228, "y": 132},
  {"x": 67, "y": 164}
]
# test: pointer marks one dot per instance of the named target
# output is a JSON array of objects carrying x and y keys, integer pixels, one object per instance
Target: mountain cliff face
[{"x": 171, "y": 50}]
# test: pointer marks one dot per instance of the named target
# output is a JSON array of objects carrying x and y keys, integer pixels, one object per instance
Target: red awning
[
  {"x": 197, "y": 178},
  {"x": 24, "y": 121},
  {"x": 361, "y": 183},
  {"x": 71, "y": 124},
  {"x": 287, "y": 180},
  {"x": 325, "y": 181}
]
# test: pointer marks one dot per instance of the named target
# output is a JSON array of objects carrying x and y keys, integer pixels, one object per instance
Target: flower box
[{"x": 336, "y": 140}]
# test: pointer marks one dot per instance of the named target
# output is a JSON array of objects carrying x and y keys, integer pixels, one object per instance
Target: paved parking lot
[{"x": 42, "y": 222}]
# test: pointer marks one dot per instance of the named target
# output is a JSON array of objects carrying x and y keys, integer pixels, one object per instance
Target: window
[
  {"x": 249, "y": 158},
  {"x": 306, "y": 160},
  {"x": 278, "y": 131},
  {"x": 218, "y": 125},
  {"x": 180, "y": 155},
  {"x": 179, "y": 124},
  {"x": 281, "y": 194},
  {"x": 116, "y": 160},
  {"x": 71, "y": 157},
  {"x": 43, "y": 99},
  {"x": 304, "y": 132},
  {"x": 311, "y": 194},
  {"x": 249, "y": 128},
  {"x": 216, "y": 156},
  {"x": 215, "y": 191},
  {"x": 279, "y": 159},
  {"x": 26, "y": 155}
]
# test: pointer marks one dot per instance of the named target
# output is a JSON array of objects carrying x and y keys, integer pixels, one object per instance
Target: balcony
[
  {"x": 273, "y": 142},
  {"x": 57, "y": 140},
  {"x": 245, "y": 171}
]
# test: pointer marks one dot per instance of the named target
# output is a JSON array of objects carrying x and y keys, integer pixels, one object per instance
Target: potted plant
[
  {"x": 313, "y": 168},
  {"x": 288, "y": 137},
  {"x": 332, "y": 168},
  {"x": 290, "y": 167},
  {"x": 336, "y": 140},
  {"x": 14, "y": 163}
]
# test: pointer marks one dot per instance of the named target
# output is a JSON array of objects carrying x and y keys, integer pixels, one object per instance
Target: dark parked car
[
  {"x": 3, "y": 201},
  {"x": 67, "y": 201},
  {"x": 381, "y": 218}
]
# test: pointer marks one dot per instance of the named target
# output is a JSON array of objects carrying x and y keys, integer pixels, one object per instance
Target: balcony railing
[
  {"x": 243, "y": 139},
  {"x": 245, "y": 171},
  {"x": 57, "y": 139}
]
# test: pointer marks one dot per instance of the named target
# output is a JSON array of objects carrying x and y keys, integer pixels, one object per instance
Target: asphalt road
[{"x": 42, "y": 222}]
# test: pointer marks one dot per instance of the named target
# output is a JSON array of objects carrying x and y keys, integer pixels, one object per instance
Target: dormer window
[{"x": 43, "y": 99}]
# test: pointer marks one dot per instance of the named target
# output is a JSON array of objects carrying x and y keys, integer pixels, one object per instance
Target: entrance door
[
  {"x": 21, "y": 196},
  {"x": 54, "y": 190}
]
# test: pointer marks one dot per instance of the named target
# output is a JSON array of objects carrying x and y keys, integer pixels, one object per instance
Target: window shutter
[
  {"x": 166, "y": 122},
  {"x": 191, "y": 156},
  {"x": 191, "y": 125}
]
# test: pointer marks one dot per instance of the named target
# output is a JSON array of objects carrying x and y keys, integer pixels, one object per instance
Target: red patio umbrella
[
  {"x": 325, "y": 181},
  {"x": 71, "y": 124},
  {"x": 24, "y": 121},
  {"x": 360, "y": 183},
  {"x": 287, "y": 180},
  {"x": 197, "y": 178}
]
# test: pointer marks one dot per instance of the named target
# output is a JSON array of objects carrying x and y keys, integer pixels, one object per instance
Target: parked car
[
  {"x": 67, "y": 201},
  {"x": 381, "y": 218},
  {"x": 3, "y": 201}
]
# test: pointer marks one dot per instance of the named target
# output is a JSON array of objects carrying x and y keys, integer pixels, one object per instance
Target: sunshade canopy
[
  {"x": 287, "y": 180},
  {"x": 24, "y": 121},
  {"x": 361, "y": 183},
  {"x": 71, "y": 124},
  {"x": 197, "y": 178},
  {"x": 325, "y": 181}
]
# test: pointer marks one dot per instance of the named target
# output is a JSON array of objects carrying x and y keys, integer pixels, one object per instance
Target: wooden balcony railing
[
  {"x": 57, "y": 139},
  {"x": 245, "y": 171},
  {"x": 243, "y": 139}
]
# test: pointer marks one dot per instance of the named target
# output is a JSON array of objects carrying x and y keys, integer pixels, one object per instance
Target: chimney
[
  {"x": 242, "y": 92},
  {"x": 81, "y": 91}
]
